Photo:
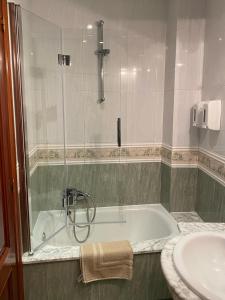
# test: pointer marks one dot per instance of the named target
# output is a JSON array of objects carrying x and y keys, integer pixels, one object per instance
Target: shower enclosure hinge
[
  {"x": 64, "y": 60},
  {"x": 3, "y": 24}
]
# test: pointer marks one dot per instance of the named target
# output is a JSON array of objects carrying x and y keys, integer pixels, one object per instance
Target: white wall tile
[
  {"x": 184, "y": 134},
  {"x": 147, "y": 39},
  {"x": 213, "y": 74}
]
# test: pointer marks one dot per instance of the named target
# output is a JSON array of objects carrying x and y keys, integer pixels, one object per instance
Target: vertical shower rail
[{"x": 101, "y": 53}]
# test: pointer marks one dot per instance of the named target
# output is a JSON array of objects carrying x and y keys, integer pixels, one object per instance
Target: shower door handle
[{"x": 119, "y": 132}]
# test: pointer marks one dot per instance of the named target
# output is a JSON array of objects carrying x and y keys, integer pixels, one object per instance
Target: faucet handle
[{"x": 81, "y": 195}]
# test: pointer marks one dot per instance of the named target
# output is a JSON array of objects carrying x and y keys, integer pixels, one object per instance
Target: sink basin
[{"x": 199, "y": 259}]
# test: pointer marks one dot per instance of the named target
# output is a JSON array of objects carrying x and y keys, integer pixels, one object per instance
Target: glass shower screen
[
  {"x": 94, "y": 165},
  {"x": 44, "y": 126}
]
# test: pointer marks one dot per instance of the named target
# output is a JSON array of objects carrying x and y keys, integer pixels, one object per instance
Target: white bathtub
[{"x": 136, "y": 223}]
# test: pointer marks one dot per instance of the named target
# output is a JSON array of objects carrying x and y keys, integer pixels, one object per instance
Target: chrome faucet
[{"x": 72, "y": 195}]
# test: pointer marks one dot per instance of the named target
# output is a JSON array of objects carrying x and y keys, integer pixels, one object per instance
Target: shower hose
[{"x": 90, "y": 219}]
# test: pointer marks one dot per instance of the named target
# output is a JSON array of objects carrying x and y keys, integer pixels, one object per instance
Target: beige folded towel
[{"x": 112, "y": 260}]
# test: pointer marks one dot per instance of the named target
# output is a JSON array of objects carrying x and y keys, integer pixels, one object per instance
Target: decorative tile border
[
  {"x": 76, "y": 155},
  {"x": 180, "y": 157},
  {"x": 213, "y": 164}
]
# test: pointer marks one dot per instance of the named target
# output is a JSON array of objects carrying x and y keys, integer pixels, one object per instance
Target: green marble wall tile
[
  {"x": 116, "y": 184},
  {"x": 165, "y": 185},
  {"x": 58, "y": 280},
  {"x": 210, "y": 203},
  {"x": 219, "y": 198},
  {"x": 178, "y": 188},
  {"x": 109, "y": 184},
  {"x": 48, "y": 184},
  {"x": 183, "y": 189},
  {"x": 34, "y": 197}
]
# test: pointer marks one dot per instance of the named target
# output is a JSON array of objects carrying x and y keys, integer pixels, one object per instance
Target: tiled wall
[
  {"x": 183, "y": 73},
  {"x": 213, "y": 73},
  {"x": 58, "y": 280},
  {"x": 135, "y": 32},
  {"x": 183, "y": 37},
  {"x": 108, "y": 184},
  {"x": 127, "y": 176},
  {"x": 130, "y": 176},
  {"x": 147, "y": 39},
  {"x": 211, "y": 179},
  {"x": 178, "y": 188},
  {"x": 211, "y": 198}
]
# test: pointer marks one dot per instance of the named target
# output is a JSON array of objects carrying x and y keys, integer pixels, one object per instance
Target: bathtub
[{"x": 145, "y": 226}]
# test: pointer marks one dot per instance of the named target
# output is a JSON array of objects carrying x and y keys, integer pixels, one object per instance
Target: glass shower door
[
  {"x": 44, "y": 125},
  {"x": 94, "y": 159}
]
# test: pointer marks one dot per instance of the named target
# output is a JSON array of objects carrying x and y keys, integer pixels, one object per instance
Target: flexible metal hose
[{"x": 89, "y": 220}]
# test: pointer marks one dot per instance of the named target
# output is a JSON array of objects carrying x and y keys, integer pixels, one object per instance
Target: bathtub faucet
[{"x": 72, "y": 195}]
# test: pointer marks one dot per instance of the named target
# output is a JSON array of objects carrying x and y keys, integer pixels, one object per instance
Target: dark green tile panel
[
  {"x": 47, "y": 184},
  {"x": 116, "y": 184},
  {"x": 183, "y": 189},
  {"x": 178, "y": 188},
  {"x": 121, "y": 184},
  {"x": 210, "y": 203},
  {"x": 109, "y": 184},
  {"x": 165, "y": 185},
  {"x": 58, "y": 281}
]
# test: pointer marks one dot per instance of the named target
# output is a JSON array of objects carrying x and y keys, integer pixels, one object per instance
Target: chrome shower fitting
[
  {"x": 64, "y": 60},
  {"x": 70, "y": 200},
  {"x": 101, "y": 53}
]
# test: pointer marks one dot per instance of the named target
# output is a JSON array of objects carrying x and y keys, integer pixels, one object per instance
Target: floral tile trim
[
  {"x": 183, "y": 157},
  {"x": 213, "y": 165},
  {"x": 82, "y": 154},
  {"x": 98, "y": 153}
]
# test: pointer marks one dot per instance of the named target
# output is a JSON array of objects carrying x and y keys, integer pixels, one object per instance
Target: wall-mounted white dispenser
[{"x": 207, "y": 114}]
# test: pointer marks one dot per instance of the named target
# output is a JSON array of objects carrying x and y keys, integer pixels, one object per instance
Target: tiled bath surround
[
  {"x": 147, "y": 283},
  {"x": 210, "y": 203},
  {"x": 158, "y": 174},
  {"x": 108, "y": 184},
  {"x": 46, "y": 281},
  {"x": 178, "y": 188}
]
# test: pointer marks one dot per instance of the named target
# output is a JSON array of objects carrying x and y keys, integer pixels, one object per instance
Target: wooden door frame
[
  {"x": 16, "y": 54},
  {"x": 11, "y": 259}
]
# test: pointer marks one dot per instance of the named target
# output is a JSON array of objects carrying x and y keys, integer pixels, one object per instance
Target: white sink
[{"x": 199, "y": 259}]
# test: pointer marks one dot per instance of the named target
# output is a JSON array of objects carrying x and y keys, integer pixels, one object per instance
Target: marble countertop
[
  {"x": 178, "y": 287},
  {"x": 52, "y": 253}
]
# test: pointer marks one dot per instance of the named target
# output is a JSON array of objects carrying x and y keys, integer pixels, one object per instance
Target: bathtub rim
[
  {"x": 45, "y": 253},
  {"x": 158, "y": 209}
]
